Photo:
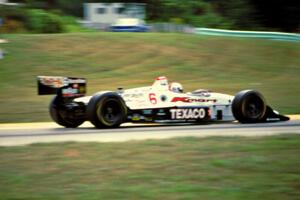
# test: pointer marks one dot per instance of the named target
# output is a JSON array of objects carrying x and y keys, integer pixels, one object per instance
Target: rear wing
[{"x": 64, "y": 86}]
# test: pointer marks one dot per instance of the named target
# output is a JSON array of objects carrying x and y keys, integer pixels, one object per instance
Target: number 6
[{"x": 152, "y": 98}]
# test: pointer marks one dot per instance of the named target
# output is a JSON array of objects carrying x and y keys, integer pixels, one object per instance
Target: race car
[
  {"x": 129, "y": 25},
  {"x": 160, "y": 102}
]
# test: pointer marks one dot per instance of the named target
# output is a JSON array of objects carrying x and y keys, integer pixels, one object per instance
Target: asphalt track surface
[{"x": 29, "y": 133}]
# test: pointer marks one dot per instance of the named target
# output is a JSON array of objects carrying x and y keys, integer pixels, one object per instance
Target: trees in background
[
  {"x": 19, "y": 19},
  {"x": 279, "y": 15},
  {"x": 282, "y": 15},
  {"x": 241, "y": 13}
]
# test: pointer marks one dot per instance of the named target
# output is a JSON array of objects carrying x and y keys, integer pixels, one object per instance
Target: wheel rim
[
  {"x": 110, "y": 112},
  {"x": 253, "y": 108}
]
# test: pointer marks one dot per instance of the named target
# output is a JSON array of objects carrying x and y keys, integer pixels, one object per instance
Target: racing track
[{"x": 23, "y": 134}]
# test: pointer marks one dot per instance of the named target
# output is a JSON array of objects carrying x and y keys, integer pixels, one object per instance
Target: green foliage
[
  {"x": 24, "y": 19},
  {"x": 71, "y": 25},
  {"x": 11, "y": 12},
  {"x": 12, "y": 26},
  {"x": 20, "y": 19},
  {"x": 40, "y": 21},
  {"x": 211, "y": 20},
  {"x": 234, "y": 14},
  {"x": 75, "y": 8},
  {"x": 13, "y": 18},
  {"x": 196, "y": 13},
  {"x": 241, "y": 13},
  {"x": 176, "y": 20}
]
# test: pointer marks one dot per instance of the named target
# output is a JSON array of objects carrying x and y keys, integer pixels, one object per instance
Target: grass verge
[
  {"x": 111, "y": 60},
  {"x": 185, "y": 168}
]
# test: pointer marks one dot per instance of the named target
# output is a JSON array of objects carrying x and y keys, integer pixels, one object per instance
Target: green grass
[
  {"x": 111, "y": 60},
  {"x": 186, "y": 168}
]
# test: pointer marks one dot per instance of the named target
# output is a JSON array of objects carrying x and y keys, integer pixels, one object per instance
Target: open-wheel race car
[{"x": 161, "y": 102}]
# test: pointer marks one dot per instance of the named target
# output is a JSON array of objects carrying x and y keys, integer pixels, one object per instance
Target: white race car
[{"x": 161, "y": 102}]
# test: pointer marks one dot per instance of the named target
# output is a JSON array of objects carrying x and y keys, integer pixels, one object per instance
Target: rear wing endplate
[{"x": 64, "y": 86}]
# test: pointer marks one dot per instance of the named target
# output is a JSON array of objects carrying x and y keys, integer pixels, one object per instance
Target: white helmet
[{"x": 176, "y": 87}]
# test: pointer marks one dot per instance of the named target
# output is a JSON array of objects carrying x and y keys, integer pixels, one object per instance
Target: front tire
[
  {"x": 249, "y": 106},
  {"x": 106, "y": 110}
]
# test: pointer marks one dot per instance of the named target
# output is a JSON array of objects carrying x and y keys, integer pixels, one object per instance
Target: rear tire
[
  {"x": 60, "y": 116},
  {"x": 106, "y": 110},
  {"x": 249, "y": 106}
]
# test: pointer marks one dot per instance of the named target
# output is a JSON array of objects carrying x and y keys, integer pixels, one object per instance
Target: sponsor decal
[
  {"x": 55, "y": 82},
  {"x": 134, "y": 95},
  {"x": 272, "y": 119},
  {"x": 82, "y": 90},
  {"x": 51, "y": 84},
  {"x": 68, "y": 92},
  {"x": 161, "y": 112},
  {"x": 188, "y": 113},
  {"x": 147, "y": 112},
  {"x": 204, "y": 94},
  {"x": 182, "y": 99},
  {"x": 75, "y": 85},
  {"x": 136, "y": 117},
  {"x": 148, "y": 119},
  {"x": 191, "y": 100},
  {"x": 75, "y": 80}
]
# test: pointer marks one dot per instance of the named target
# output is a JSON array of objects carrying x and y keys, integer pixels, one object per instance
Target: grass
[
  {"x": 111, "y": 60},
  {"x": 185, "y": 168}
]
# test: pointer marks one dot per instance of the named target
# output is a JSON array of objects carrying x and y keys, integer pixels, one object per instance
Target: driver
[{"x": 176, "y": 87}]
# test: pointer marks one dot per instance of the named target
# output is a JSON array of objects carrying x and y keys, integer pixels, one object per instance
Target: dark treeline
[{"x": 276, "y": 15}]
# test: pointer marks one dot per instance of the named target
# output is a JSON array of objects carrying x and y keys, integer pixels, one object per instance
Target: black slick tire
[
  {"x": 106, "y": 110},
  {"x": 249, "y": 106},
  {"x": 59, "y": 117}
]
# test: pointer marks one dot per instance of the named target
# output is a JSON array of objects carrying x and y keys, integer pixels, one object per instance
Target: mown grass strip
[
  {"x": 112, "y": 60},
  {"x": 185, "y": 168}
]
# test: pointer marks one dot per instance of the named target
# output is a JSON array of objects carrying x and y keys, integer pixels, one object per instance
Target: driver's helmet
[{"x": 176, "y": 87}]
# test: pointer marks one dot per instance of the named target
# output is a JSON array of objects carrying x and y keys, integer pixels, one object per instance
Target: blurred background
[
  {"x": 57, "y": 16},
  {"x": 128, "y": 43},
  {"x": 222, "y": 45}
]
